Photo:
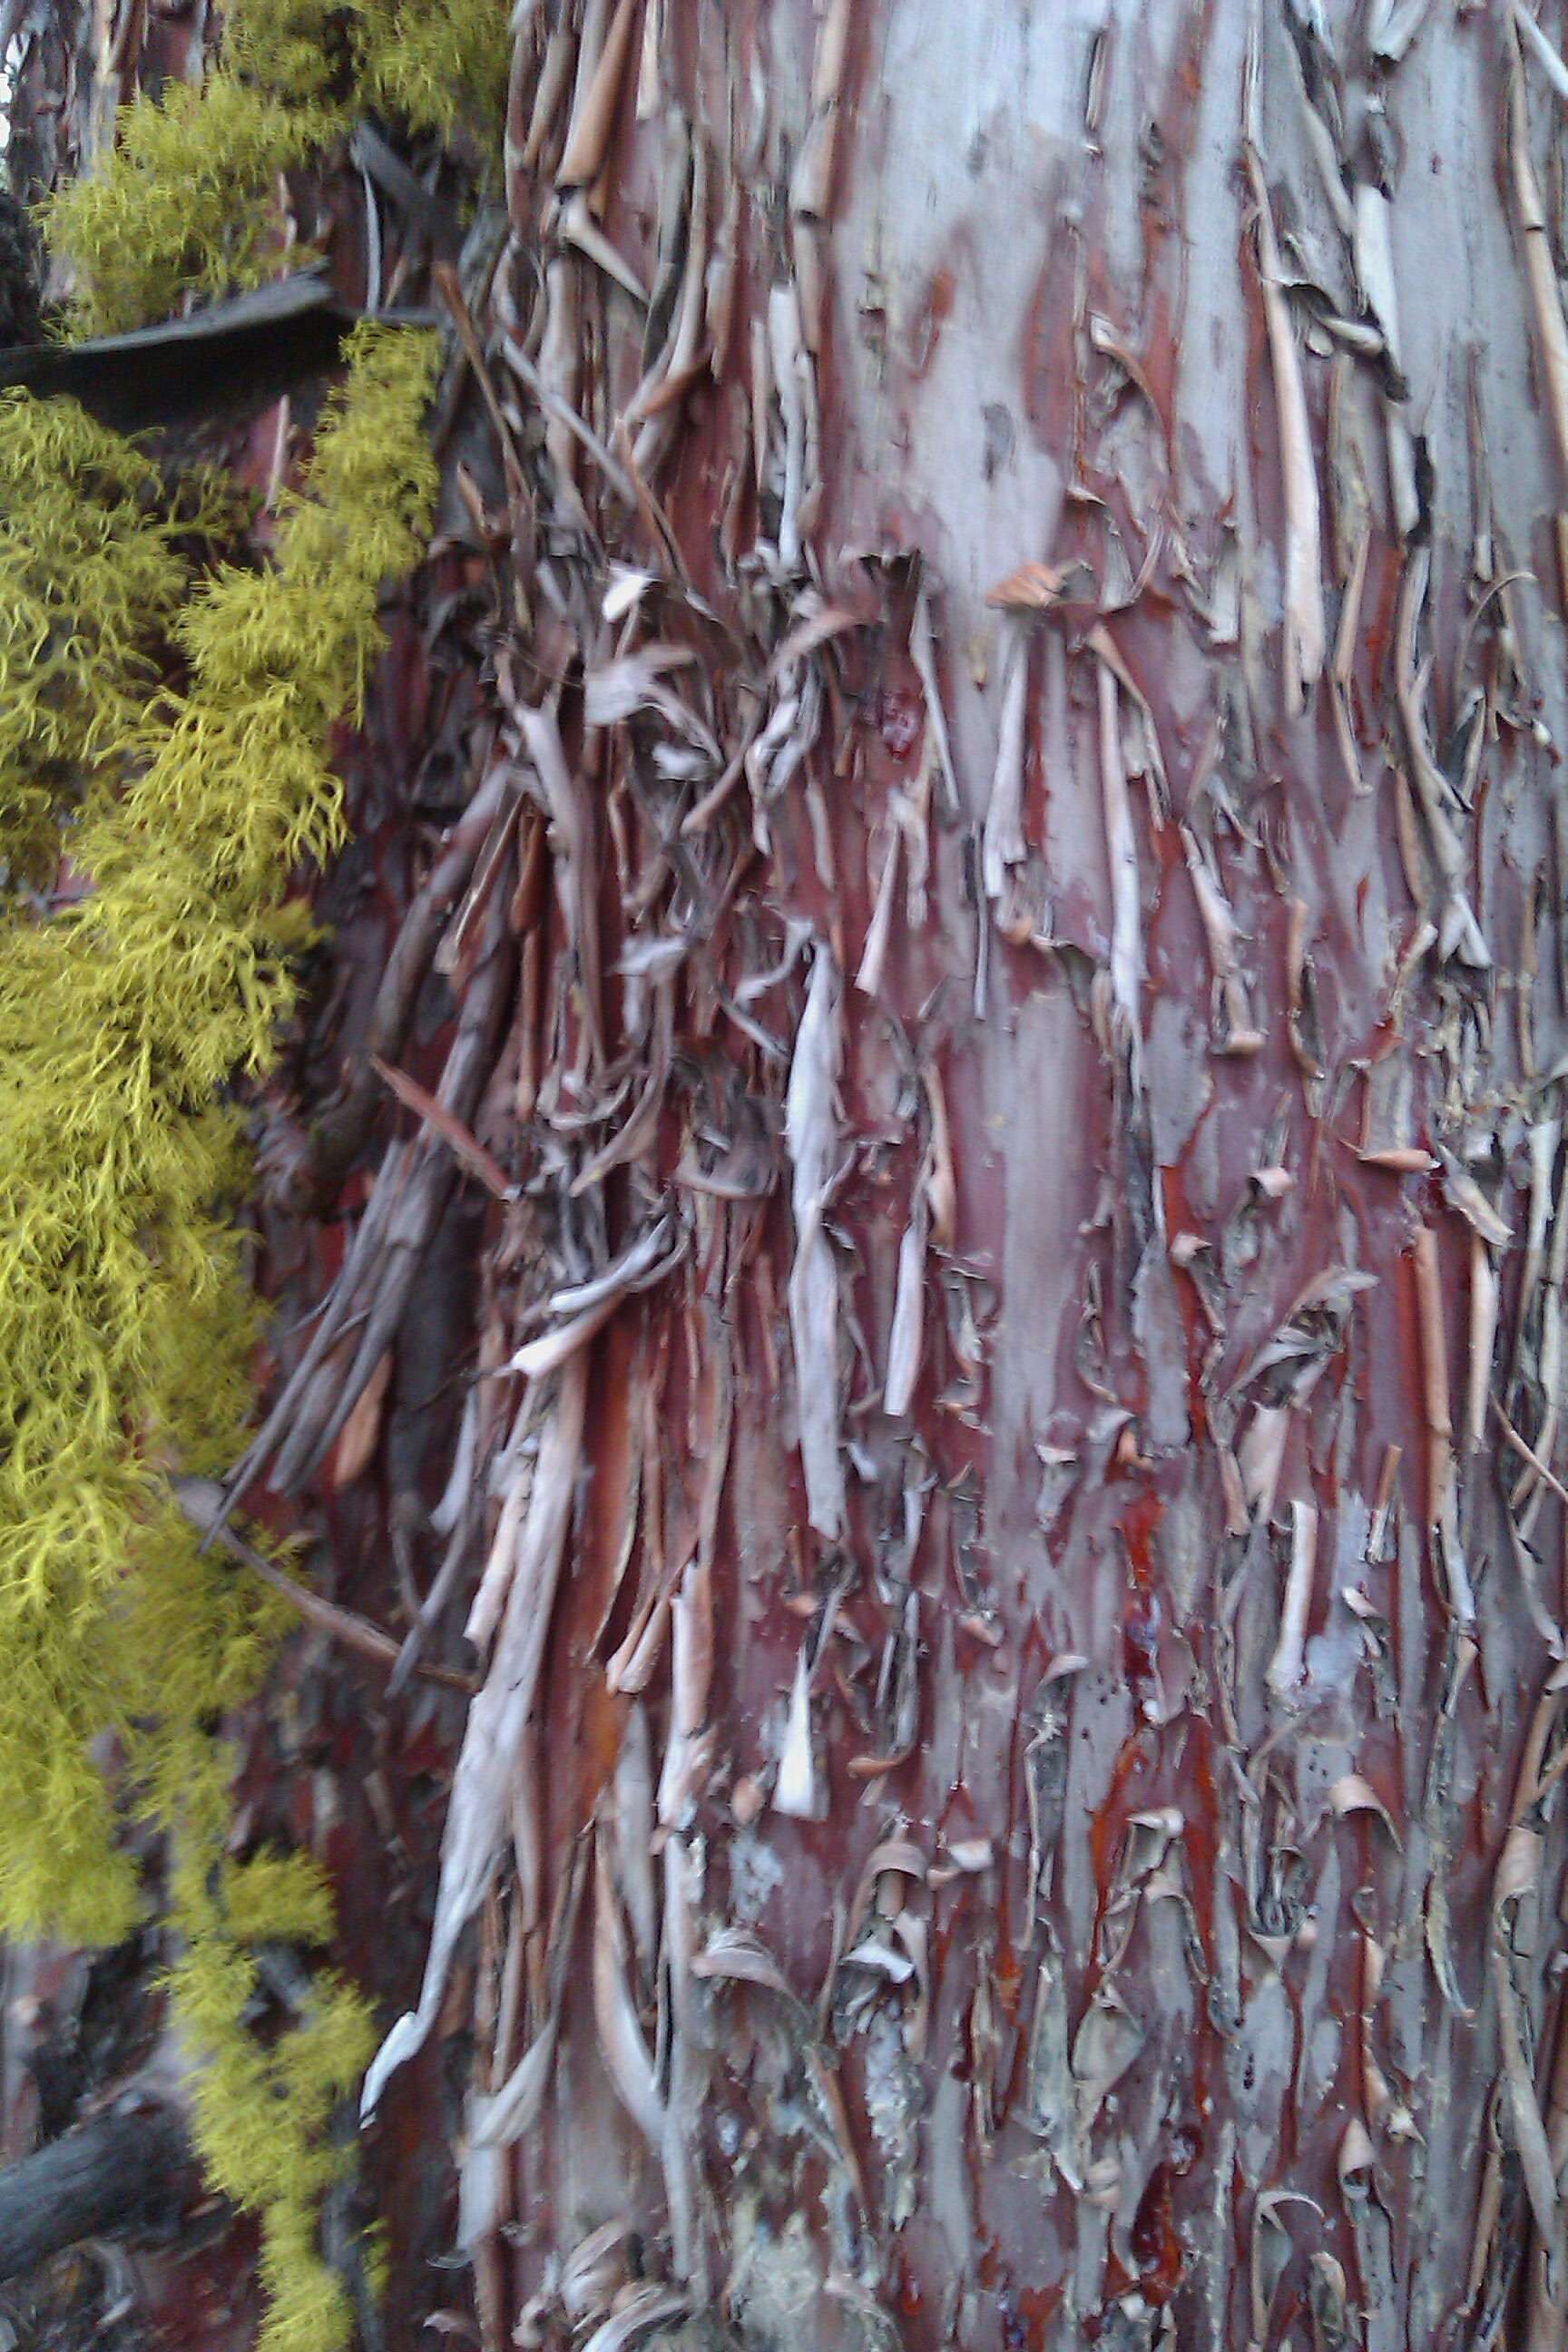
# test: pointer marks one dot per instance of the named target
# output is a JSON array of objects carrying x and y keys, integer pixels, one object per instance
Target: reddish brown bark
[
  {"x": 1076, "y": 1855},
  {"x": 1171, "y": 1636}
]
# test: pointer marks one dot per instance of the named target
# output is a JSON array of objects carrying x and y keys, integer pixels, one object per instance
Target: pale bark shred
[
  {"x": 1304, "y": 627},
  {"x": 1540, "y": 49},
  {"x": 1552, "y": 332},
  {"x": 481, "y": 1788},
  {"x": 811, "y": 1136}
]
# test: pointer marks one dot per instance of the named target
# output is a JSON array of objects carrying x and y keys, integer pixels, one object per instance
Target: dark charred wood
[
  {"x": 117, "y": 2173},
  {"x": 20, "y": 273},
  {"x": 236, "y": 356}
]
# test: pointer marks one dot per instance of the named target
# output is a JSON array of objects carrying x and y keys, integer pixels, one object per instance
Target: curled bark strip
[
  {"x": 1373, "y": 2237},
  {"x": 1121, "y": 854},
  {"x": 1484, "y": 1302},
  {"x": 477, "y": 1817},
  {"x": 1540, "y": 49},
  {"x": 1441, "y": 1487},
  {"x": 565, "y": 802},
  {"x": 811, "y": 1136},
  {"x": 465, "y": 1147},
  {"x": 367, "y": 1300},
  {"x": 1516, "y": 1884},
  {"x": 589, "y": 1306},
  {"x": 681, "y": 363},
  {"x": 1540, "y": 268},
  {"x": 626, "y": 2051},
  {"x": 796, "y": 1791},
  {"x": 641, "y": 1126},
  {"x": 922, "y": 654},
  {"x": 499, "y": 2118},
  {"x": 1393, "y": 25},
  {"x": 1002, "y": 845},
  {"x": 588, "y": 139},
  {"x": 1305, "y": 632},
  {"x": 484, "y": 1612},
  {"x": 338, "y": 1132},
  {"x": 645, "y": 2307},
  {"x": 358, "y": 1267},
  {"x": 1460, "y": 934},
  {"x": 905, "y": 1338},
  {"x": 811, "y": 187},
  {"x": 1285, "y": 1667},
  {"x": 357, "y": 1439},
  {"x": 1527, "y": 1454},
  {"x": 411, "y": 1222},
  {"x": 564, "y": 418},
  {"x": 1238, "y": 1034},
  {"x": 451, "y": 289}
]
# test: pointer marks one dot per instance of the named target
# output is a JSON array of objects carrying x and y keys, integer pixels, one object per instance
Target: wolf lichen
[
  {"x": 91, "y": 574},
  {"x": 440, "y": 64},
  {"x": 126, "y": 1319},
  {"x": 183, "y": 201},
  {"x": 244, "y": 2088}
]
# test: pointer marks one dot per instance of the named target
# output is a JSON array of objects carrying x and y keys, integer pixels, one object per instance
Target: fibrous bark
[
  {"x": 1011, "y": 1021},
  {"x": 1035, "y": 1270}
]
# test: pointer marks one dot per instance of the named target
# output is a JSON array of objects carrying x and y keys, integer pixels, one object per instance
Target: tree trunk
[
  {"x": 1009, "y": 969},
  {"x": 1052, "y": 1669}
]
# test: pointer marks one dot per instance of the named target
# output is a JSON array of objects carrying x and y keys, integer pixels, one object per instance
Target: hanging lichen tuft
[
  {"x": 126, "y": 1321},
  {"x": 184, "y": 201},
  {"x": 441, "y": 65},
  {"x": 94, "y": 564}
]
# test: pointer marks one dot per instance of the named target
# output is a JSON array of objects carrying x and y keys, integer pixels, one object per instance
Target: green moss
[{"x": 126, "y": 1319}]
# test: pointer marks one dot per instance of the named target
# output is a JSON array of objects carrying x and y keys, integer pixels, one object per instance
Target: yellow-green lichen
[
  {"x": 185, "y": 200},
  {"x": 441, "y": 65},
  {"x": 248, "y": 2094},
  {"x": 92, "y": 571},
  {"x": 126, "y": 1317}
]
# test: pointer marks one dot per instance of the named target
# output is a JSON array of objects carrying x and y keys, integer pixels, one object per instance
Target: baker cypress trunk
[{"x": 998, "y": 1144}]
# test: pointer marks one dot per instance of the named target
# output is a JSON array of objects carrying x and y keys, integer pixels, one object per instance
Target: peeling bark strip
[
  {"x": 810, "y": 1134},
  {"x": 487, "y": 1785},
  {"x": 1014, "y": 1487},
  {"x": 1303, "y": 623}
]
